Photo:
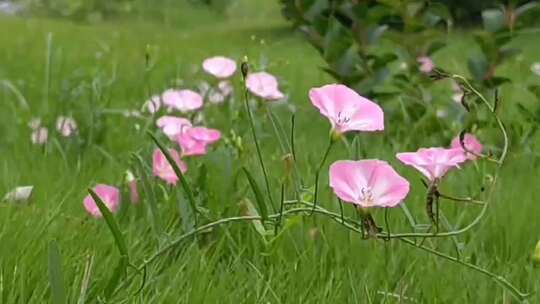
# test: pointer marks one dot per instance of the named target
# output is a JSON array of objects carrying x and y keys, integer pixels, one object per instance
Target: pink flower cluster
[
  {"x": 65, "y": 125},
  {"x": 372, "y": 182}
]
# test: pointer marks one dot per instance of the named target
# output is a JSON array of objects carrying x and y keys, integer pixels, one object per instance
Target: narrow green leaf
[
  {"x": 119, "y": 271},
  {"x": 56, "y": 276},
  {"x": 111, "y": 223},
  {"x": 258, "y": 195},
  {"x": 178, "y": 172},
  {"x": 149, "y": 195}
]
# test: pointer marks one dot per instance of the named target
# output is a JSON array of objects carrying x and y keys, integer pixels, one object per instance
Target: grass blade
[
  {"x": 259, "y": 197},
  {"x": 178, "y": 172},
  {"x": 56, "y": 276},
  {"x": 119, "y": 271},
  {"x": 111, "y": 223},
  {"x": 149, "y": 195}
]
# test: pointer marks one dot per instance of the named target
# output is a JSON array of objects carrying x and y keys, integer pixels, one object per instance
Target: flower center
[
  {"x": 366, "y": 196},
  {"x": 343, "y": 119}
]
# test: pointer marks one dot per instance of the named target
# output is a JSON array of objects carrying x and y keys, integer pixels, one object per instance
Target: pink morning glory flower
[
  {"x": 182, "y": 100},
  {"x": 219, "y": 66},
  {"x": 108, "y": 194},
  {"x": 264, "y": 85},
  {"x": 346, "y": 110},
  {"x": 434, "y": 163},
  {"x": 368, "y": 183},
  {"x": 196, "y": 140},
  {"x": 163, "y": 169},
  {"x": 172, "y": 125},
  {"x": 66, "y": 126},
  {"x": 40, "y": 136},
  {"x": 471, "y": 143},
  {"x": 426, "y": 64}
]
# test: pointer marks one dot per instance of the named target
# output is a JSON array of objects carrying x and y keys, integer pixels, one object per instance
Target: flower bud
[{"x": 288, "y": 160}]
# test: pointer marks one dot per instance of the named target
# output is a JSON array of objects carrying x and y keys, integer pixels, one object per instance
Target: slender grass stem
[{"x": 318, "y": 172}]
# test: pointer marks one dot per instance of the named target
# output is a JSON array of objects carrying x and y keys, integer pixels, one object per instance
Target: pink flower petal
[
  {"x": 163, "y": 169},
  {"x": 264, "y": 85},
  {"x": 426, "y": 64},
  {"x": 346, "y": 110},
  {"x": 182, "y": 100},
  {"x": 471, "y": 143},
  {"x": 368, "y": 183},
  {"x": 172, "y": 126},
  {"x": 196, "y": 140},
  {"x": 109, "y": 195},
  {"x": 219, "y": 66},
  {"x": 435, "y": 162}
]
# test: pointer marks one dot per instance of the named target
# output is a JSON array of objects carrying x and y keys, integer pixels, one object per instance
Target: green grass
[{"x": 93, "y": 67}]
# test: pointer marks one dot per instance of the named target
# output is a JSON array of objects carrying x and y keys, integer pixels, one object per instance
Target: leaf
[
  {"x": 249, "y": 210},
  {"x": 258, "y": 195},
  {"x": 118, "y": 272},
  {"x": 178, "y": 172},
  {"x": 56, "y": 276},
  {"x": 111, "y": 223},
  {"x": 435, "y": 46},
  {"x": 478, "y": 66},
  {"x": 493, "y": 19}
]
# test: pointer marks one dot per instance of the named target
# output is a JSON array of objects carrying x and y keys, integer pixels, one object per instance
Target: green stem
[
  {"x": 257, "y": 146},
  {"x": 318, "y": 172}
]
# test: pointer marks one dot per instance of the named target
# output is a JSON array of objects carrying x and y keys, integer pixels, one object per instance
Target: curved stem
[{"x": 497, "y": 278}]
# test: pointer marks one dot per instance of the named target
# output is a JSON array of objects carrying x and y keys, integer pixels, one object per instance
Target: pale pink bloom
[
  {"x": 34, "y": 123},
  {"x": 108, "y": 194},
  {"x": 163, "y": 169},
  {"x": 346, "y": 110},
  {"x": 471, "y": 143},
  {"x": 153, "y": 104},
  {"x": 219, "y": 66},
  {"x": 182, "y": 100},
  {"x": 216, "y": 97},
  {"x": 368, "y": 183},
  {"x": 40, "y": 136},
  {"x": 225, "y": 87},
  {"x": 458, "y": 92},
  {"x": 426, "y": 64},
  {"x": 196, "y": 140},
  {"x": 66, "y": 126},
  {"x": 172, "y": 126},
  {"x": 264, "y": 85},
  {"x": 434, "y": 163}
]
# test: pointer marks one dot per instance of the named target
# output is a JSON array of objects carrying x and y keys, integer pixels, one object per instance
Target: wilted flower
[
  {"x": 426, "y": 64},
  {"x": 196, "y": 140},
  {"x": 264, "y": 85},
  {"x": 346, "y": 110},
  {"x": 163, "y": 169},
  {"x": 434, "y": 163},
  {"x": 535, "y": 68},
  {"x": 40, "y": 136},
  {"x": 471, "y": 143},
  {"x": 172, "y": 126},
  {"x": 182, "y": 100},
  {"x": 225, "y": 87},
  {"x": 219, "y": 66},
  {"x": 108, "y": 194},
  {"x": 34, "y": 123},
  {"x": 153, "y": 104},
  {"x": 216, "y": 97},
  {"x": 368, "y": 183},
  {"x": 66, "y": 126},
  {"x": 133, "y": 189},
  {"x": 20, "y": 194},
  {"x": 458, "y": 92}
]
